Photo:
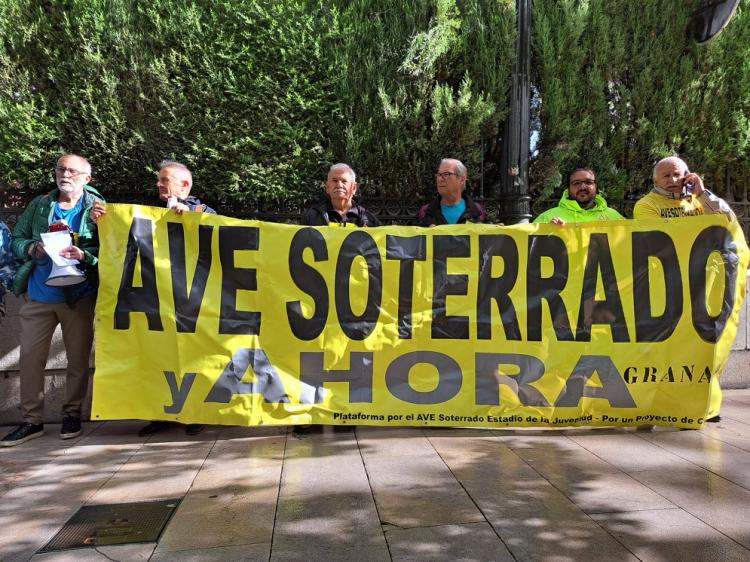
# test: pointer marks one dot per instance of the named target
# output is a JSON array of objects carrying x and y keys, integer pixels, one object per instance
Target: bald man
[
  {"x": 678, "y": 192},
  {"x": 174, "y": 184}
]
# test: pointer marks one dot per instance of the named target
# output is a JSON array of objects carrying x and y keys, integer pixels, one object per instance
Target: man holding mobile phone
[{"x": 678, "y": 192}]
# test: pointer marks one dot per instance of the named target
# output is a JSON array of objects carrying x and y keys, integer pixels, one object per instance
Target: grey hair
[
  {"x": 460, "y": 168},
  {"x": 87, "y": 166},
  {"x": 342, "y": 166},
  {"x": 667, "y": 159},
  {"x": 178, "y": 165}
]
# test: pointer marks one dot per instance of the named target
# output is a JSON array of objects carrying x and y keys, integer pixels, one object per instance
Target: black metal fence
[{"x": 733, "y": 185}]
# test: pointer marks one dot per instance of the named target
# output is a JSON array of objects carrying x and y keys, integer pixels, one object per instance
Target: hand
[
  {"x": 696, "y": 181},
  {"x": 73, "y": 253},
  {"x": 180, "y": 208},
  {"x": 558, "y": 221},
  {"x": 98, "y": 211},
  {"x": 36, "y": 251}
]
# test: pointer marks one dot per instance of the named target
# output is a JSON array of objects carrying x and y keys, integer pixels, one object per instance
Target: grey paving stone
[
  {"x": 245, "y": 454},
  {"x": 229, "y": 433},
  {"x": 124, "y": 432},
  {"x": 449, "y": 543},
  {"x": 706, "y": 496},
  {"x": 658, "y": 535},
  {"x": 528, "y": 438},
  {"x": 244, "y": 553},
  {"x": 591, "y": 483},
  {"x": 409, "y": 472},
  {"x": 321, "y": 476},
  {"x": 481, "y": 458},
  {"x": 25, "y": 532},
  {"x": 314, "y": 554},
  {"x": 71, "y": 480},
  {"x": 225, "y": 509},
  {"x": 393, "y": 442},
  {"x": 316, "y": 445},
  {"x": 129, "y": 552},
  {"x": 641, "y": 453},
  {"x": 422, "y": 507},
  {"x": 418, "y": 491},
  {"x": 197, "y": 526},
  {"x": 538, "y": 522},
  {"x": 731, "y": 432},
  {"x": 328, "y": 522},
  {"x": 712, "y": 454},
  {"x": 741, "y": 396},
  {"x": 156, "y": 471}
]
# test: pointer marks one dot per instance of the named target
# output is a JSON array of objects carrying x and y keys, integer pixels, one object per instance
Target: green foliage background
[{"x": 259, "y": 97}]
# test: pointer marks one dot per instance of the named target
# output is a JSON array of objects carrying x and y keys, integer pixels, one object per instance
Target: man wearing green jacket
[
  {"x": 48, "y": 304},
  {"x": 580, "y": 203}
]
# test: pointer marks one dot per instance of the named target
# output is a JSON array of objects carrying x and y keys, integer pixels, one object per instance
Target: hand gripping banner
[{"x": 209, "y": 319}]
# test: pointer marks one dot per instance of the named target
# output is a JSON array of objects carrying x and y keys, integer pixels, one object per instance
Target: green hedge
[{"x": 260, "y": 97}]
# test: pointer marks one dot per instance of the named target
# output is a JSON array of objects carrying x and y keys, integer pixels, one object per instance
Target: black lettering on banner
[
  {"x": 449, "y": 373},
  {"x": 659, "y": 245},
  {"x": 179, "y": 392},
  {"x": 313, "y": 377},
  {"x": 712, "y": 239},
  {"x": 497, "y": 289},
  {"x": 267, "y": 381},
  {"x": 310, "y": 281},
  {"x": 231, "y": 320},
  {"x": 607, "y": 311},
  {"x": 406, "y": 249},
  {"x": 146, "y": 297},
  {"x": 540, "y": 288},
  {"x": 443, "y": 284},
  {"x": 358, "y": 243},
  {"x": 187, "y": 305},
  {"x": 613, "y": 388},
  {"x": 489, "y": 378}
]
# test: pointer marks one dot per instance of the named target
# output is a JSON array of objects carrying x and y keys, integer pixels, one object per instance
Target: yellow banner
[{"x": 210, "y": 319}]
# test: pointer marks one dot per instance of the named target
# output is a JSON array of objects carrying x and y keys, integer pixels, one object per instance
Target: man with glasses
[
  {"x": 452, "y": 204},
  {"x": 580, "y": 203},
  {"x": 68, "y": 207}
]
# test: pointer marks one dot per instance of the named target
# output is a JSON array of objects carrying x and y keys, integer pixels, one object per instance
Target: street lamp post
[{"x": 513, "y": 189}]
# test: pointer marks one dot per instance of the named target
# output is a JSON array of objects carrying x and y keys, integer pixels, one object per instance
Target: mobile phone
[{"x": 687, "y": 188}]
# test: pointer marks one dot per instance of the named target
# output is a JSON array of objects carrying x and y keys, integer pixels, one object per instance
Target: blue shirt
[
  {"x": 38, "y": 290},
  {"x": 453, "y": 212}
]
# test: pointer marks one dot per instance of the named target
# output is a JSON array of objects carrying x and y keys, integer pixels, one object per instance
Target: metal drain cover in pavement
[{"x": 119, "y": 523}]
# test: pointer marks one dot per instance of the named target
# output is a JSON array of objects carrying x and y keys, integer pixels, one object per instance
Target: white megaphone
[{"x": 63, "y": 274}]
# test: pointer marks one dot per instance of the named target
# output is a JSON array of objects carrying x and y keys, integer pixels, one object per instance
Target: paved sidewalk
[{"x": 395, "y": 494}]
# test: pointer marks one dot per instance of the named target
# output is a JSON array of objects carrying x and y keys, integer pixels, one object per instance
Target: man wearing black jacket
[
  {"x": 174, "y": 184},
  {"x": 339, "y": 208},
  {"x": 452, "y": 205}
]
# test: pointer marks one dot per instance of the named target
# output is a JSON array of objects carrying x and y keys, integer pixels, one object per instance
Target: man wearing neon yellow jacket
[{"x": 580, "y": 202}]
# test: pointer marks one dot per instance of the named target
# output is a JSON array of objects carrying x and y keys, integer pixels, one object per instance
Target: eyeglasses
[
  {"x": 446, "y": 175},
  {"x": 579, "y": 183},
  {"x": 62, "y": 170}
]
